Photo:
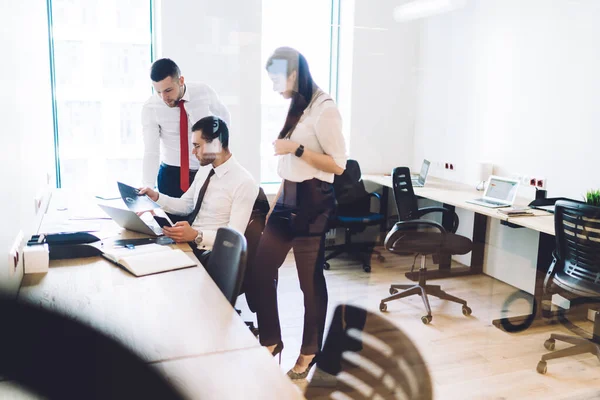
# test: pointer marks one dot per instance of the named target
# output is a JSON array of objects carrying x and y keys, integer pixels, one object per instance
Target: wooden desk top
[
  {"x": 456, "y": 194},
  {"x": 231, "y": 375},
  {"x": 177, "y": 320}
]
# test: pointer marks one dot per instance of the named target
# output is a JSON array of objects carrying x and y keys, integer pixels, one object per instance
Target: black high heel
[
  {"x": 277, "y": 350},
  {"x": 293, "y": 375}
]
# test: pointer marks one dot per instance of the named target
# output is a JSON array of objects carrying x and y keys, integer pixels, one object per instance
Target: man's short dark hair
[
  {"x": 213, "y": 128},
  {"x": 163, "y": 68}
]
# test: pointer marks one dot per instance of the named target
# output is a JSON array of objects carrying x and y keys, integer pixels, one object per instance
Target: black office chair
[
  {"x": 575, "y": 275},
  {"x": 368, "y": 358},
  {"x": 227, "y": 262},
  {"x": 421, "y": 237},
  {"x": 61, "y": 358},
  {"x": 253, "y": 233},
  {"x": 353, "y": 214}
]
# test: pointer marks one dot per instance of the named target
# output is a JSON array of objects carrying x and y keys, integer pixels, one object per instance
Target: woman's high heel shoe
[
  {"x": 293, "y": 375},
  {"x": 277, "y": 350}
]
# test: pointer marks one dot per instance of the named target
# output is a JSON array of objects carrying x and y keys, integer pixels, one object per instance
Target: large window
[
  {"x": 102, "y": 52},
  {"x": 305, "y": 25}
]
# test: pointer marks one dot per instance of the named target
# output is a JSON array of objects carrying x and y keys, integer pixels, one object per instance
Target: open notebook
[{"x": 149, "y": 259}]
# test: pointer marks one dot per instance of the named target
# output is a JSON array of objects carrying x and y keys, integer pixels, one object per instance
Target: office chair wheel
[
  {"x": 549, "y": 344},
  {"x": 426, "y": 319},
  {"x": 326, "y": 266},
  {"x": 542, "y": 367},
  {"x": 393, "y": 291},
  {"x": 367, "y": 268},
  {"x": 382, "y": 307},
  {"x": 380, "y": 258},
  {"x": 466, "y": 310}
]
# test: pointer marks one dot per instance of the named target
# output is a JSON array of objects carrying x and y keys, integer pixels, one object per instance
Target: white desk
[
  {"x": 453, "y": 194},
  {"x": 178, "y": 321}
]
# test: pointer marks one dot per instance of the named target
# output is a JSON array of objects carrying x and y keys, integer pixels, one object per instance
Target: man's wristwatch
[
  {"x": 199, "y": 238},
  {"x": 299, "y": 151}
]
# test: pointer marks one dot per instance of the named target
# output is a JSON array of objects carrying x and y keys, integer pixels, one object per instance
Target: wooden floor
[{"x": 468, "y": 358}]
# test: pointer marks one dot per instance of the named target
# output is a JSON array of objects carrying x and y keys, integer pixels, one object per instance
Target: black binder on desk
[
  {"x": 547, "y": 204},
  {"x": 71, "y": 245}
]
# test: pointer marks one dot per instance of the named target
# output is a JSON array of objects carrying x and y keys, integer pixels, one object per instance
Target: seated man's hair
[
  {"x": 163, "y": 68},
  {"x": 213, "y": 128}
]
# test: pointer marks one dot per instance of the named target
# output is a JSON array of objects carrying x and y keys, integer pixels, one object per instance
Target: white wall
[
  {"x": 515, "y": 83},
  {"x": 218, "y": 43},
  {"x": 383, "y": 86},
  {"x": 26, "y": 141}
]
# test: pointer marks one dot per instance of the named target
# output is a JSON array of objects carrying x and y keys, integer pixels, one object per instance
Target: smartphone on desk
[{"x": 162, "y": 221}]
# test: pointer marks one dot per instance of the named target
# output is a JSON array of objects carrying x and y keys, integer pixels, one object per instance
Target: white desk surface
[
  {"x": 178, "y": 320},
  {"x": 456, "y": 194}
]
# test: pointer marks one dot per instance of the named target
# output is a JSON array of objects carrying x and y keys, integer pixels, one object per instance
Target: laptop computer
[
  {"x": 419, "y": 180},
  {"x": 130, "y": 220},
  {"x": 500, "y": 192}
]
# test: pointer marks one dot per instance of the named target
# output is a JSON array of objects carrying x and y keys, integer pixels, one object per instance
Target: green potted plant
[{"x": 592, "y": 197}]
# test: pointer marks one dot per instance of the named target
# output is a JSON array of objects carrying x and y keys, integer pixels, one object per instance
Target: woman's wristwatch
[{"x": 299, "y": 151}]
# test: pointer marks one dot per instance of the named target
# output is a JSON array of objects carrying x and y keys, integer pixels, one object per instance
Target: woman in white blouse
[{"x": 311, "y": 151}]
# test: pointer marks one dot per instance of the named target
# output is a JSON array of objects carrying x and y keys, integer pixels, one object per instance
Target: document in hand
[
  {"x": 149, "y": 259},
  {"x": 134, "y": 201}
]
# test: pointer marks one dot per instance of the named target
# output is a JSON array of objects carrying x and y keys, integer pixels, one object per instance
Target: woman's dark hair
[
  {"x": 163, "y": 68},
  {"x": 304, "y": 87},
  {"x": 213, "y": 128}
]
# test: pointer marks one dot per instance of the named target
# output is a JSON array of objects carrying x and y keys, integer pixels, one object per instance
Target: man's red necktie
[{"x": 184, "y": 170}]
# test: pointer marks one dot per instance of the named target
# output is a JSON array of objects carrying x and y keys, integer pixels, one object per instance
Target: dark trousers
[
  {"x": 309, "y": 252},
  {"x": 169, "y": 183}
]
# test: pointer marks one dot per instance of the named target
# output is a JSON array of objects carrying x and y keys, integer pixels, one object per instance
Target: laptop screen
[
  {"x": 424, "y": 170},
  {"x": 503, "y": 190}
]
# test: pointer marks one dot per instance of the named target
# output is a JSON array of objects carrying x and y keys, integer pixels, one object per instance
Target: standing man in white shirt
[
  {"x": 225, "y": 199},
  {"x": 167, "y": 117}
]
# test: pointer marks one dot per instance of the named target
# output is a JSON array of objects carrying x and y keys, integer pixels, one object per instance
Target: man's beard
[{"x": 207, "y": 159}]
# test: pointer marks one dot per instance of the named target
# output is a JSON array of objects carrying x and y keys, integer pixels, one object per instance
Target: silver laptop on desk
[
  {"x": 130, "y": 220},
  {"x": 419, "y": 180},
  {"x": 500, "y": 192}
]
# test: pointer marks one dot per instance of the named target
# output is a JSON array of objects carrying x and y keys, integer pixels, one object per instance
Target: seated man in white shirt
[{"x": 224, "y": 199}]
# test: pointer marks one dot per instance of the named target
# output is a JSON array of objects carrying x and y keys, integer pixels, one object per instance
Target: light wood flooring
[{"x": 468, "y": 357}]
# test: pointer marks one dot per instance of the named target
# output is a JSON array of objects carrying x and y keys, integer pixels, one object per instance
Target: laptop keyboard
[{"x": 494, "y": 203}]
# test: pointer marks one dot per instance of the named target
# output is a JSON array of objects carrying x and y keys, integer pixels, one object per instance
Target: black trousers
[
  {"x": 309, "y": 252},
  {"x": 169, "y": 183}
]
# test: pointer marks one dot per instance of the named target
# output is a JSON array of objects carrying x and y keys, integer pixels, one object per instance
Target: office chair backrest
[
  {"x": 351, "y": 197},
  {"x": 404, "y": 194},
  {"x": 253, "y": 233},
  {"x": 371, "y": 358},
  {"x": 577, "y": 227},
  {"x": 227, "y": 262},
  {"x": 61, "y": 358}
]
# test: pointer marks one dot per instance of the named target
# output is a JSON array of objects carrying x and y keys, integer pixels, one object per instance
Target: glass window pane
[{"x": 102, "y": 52}]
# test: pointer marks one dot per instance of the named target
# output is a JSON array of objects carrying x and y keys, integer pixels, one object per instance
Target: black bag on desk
[{"x": 71, "y": 245}]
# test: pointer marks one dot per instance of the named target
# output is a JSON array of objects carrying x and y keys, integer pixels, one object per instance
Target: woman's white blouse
[{"x": 319, "y": 130}]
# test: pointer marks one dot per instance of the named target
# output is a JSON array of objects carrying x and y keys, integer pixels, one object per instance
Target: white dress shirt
[
  {"x": 161, "y": 127},
  {"x": 319, "y": 130},
  {"x": 228, "y": 201}
]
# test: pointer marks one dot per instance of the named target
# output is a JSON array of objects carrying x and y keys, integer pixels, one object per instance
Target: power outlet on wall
[
  {"x": 15, "y": 254},
  {"x": 449, "y": 165}
]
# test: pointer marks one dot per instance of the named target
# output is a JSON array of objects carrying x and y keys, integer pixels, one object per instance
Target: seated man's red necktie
[{"x": 184, "y": 170}]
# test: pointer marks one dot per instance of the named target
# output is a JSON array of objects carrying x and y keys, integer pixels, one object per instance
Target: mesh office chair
[
  {"x": 421, "y": 237},
  {"x": 575, "y": 274},
  {"x": 353, "y": 214},
  {"x": 61, "y": 358},
  {"x": 227, "y": 262},
  {"x": 369, "y": 358}
]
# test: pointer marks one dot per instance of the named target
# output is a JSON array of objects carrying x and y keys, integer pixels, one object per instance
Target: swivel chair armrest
[
  {"x": 443, "y": 210},
  {"x": 378, "y": 197},
  {"x": 403, "y": 227},
  {"x": 550, "y": 274}
]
